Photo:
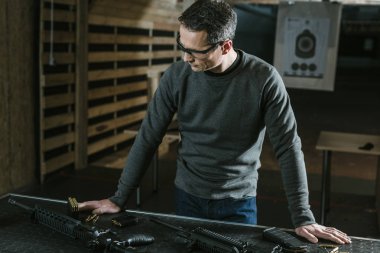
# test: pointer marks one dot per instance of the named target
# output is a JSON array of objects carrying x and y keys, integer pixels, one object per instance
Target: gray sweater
[{"x": 222, "y": 121}]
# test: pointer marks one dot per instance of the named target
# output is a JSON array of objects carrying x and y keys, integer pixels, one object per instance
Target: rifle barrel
[
  {"x": 14, "y": 202},
  {"x": 167, "y": 224},
  {"x": 37, "y": 198}
]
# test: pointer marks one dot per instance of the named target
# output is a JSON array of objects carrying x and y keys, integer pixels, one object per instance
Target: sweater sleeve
[
  {"x": 159, "y": 115},
  {"x": 282, "y": 130}
]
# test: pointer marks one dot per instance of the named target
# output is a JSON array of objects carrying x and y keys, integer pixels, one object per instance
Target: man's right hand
[{"x": 99, "y": 206}]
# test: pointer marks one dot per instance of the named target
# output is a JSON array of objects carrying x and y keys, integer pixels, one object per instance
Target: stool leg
[{"x": 325, "y": 191}]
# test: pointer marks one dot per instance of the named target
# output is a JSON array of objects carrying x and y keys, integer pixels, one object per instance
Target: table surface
[
  {"x": 19, "y": 234},
  {"x": 348, "y": 142}
]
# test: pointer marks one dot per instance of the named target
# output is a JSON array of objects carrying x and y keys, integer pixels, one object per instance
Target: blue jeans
[{"x": 229, "y": 209}]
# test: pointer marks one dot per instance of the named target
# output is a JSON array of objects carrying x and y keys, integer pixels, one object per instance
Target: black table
[{"x": 19, "y": 234}]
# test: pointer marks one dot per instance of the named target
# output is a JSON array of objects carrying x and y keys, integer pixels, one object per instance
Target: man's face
[{"x": 198, "y": 52}]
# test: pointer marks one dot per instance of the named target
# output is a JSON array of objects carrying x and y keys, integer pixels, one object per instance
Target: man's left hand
[{"x": 314, "y": 231}]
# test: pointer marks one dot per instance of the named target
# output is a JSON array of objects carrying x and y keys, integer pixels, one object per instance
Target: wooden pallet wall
[
  {"x": 57, "y": 84},
  {"x": 125, "y": 40}
]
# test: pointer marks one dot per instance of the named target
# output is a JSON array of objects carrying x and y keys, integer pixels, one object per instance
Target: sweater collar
[{"x": 230, "y": 69}]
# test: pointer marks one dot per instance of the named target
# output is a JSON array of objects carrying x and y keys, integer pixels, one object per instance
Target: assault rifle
[
  {"x": 208, "y": 241},
  {"x": 97, "y": 239}
]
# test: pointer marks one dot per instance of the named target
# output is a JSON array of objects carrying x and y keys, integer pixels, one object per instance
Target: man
[{"x": 225, "y": 100}]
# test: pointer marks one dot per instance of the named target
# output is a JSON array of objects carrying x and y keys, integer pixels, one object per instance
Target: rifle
[
  {"x": 96, "y": 238},
  {"x": 208, "y": 241}
]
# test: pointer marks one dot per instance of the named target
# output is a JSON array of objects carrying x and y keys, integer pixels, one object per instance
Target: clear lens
[{"x": 198, "y": 54}]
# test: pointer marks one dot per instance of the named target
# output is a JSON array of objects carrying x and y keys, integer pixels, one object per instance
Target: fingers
[
  {"x": 335, "y": 235},
  {"x": 89, "y": 205},
  {"x": 306, "y": 234},
  {"x": 99, "y": 206},
  {"x": 106, "y": 209},
  {"x": 315, "y": 231}
]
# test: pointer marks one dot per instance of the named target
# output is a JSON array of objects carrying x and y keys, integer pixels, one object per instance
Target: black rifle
[
  {"x": 97, "y": 239},
  {"x": 209, "y": 241}
]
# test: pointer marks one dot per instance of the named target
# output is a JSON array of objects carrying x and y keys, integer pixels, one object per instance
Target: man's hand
[
  {"x": 99, "y": 206},
  {"x": 314, "y": 231}
]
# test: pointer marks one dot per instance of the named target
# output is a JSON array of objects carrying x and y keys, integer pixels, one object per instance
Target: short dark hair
[{"x": 217, "y": 18}]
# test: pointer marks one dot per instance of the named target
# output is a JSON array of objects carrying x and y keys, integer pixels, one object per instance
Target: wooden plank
[
  {"x": 57, "y": 100},
  {"x": 164, "y": 40},
  {"x": 142, "y": 55},
  {"x": 109, "y": 142},
  {"x": 115, "y": 123},
  {"x": 58, "y": 141},
  {"x": 116, "y": 73},
  {"x": 120, "y": 13},
  {"x": 116, "y": 106},
  {"x": 155, "y": 71},
  {"x": 161, "y": 3},
  {"x": 95, "y": 19},
  {"x": 115, "y": 160},
  {"x": 60, "y": 58},
  {"x": 61, "y": 37},
  {"x": 58, "y": 120},
  {"x": 58, "y": 79},
  {"x": 67, "y": 2},
  {"x": 96, "y": 38},
  {"x": 116, "y": 90},
  {"x": 81, "y": 84},
  {"x": 58, "y": 162},
  {"x": 59, "y": 15},
  {"x": 143, "y": 4},
  {"x": 122, "y": 72},
  {"x": 140, "y": 8},
  {"x": 159, "y": 25}
]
